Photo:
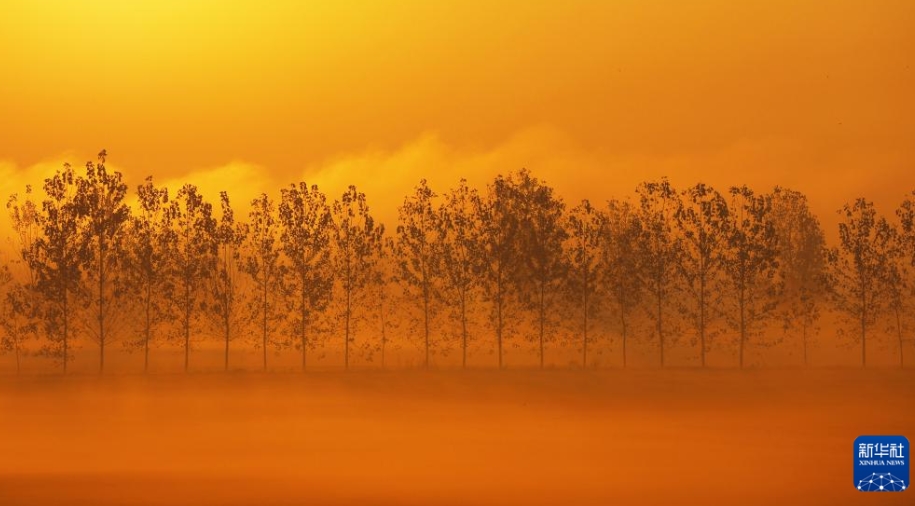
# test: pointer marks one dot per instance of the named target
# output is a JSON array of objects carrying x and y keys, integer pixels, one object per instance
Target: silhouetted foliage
[
  {"x": 99, "y": 200},
  {"x": 227, "y": 283},
  {"x": 21, "y": 306},
  {"x": 150, "y": 247},
  {"x": 511, "y": 260},
  {"x": 11, "y": 336},
  {"x": 417, "y": 252},
  {"x": 802, "y": 264},
  {"x": 658, "y": 254},
  {"x": 306, "y": 238},
  {"x": 357, "y": 239},
  {"x": 621, "y": 265},
  {"x": 541, "y": 234},
  {"x": 498, "y": 253},
  {"x": 194, "y": 258},
  {"x": 384, "y": 283},
  {"x": 263, "y": 266},
  {"x": 861, "y": 267},
  {"x": 702, "y": 221},
  {"x": 903, "y": 284},
  {"x": 750, "y": 264},
  {"x": 586, "y": 229},
  {"x": 57, "y": 258},
  {"x": 459, "y": 236},
  {"x": 24, "y": 216}
]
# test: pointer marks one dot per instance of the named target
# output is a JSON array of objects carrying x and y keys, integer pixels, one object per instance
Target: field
[{"x": 447, "y": 438}]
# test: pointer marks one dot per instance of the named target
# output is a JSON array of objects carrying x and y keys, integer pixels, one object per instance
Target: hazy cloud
[{"x": 388, "y": 175}]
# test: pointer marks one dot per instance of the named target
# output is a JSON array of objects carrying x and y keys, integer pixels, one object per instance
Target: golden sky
[{"x": 592, "y": 95}]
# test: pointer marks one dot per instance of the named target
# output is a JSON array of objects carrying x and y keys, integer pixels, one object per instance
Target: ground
[{"x": 447, "y": 437}]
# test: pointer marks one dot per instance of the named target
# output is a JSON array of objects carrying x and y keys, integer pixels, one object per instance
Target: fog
[{"x": 474, "y": 437}]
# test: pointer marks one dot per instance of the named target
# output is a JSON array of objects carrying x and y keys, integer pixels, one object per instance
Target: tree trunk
[
  {"x": 426, "y": 319},
  {"x": 18, "y": 363},
  {"x": 623, "y": 323},
  {"x": 703, "y": 268},
  {"x": 187, "y": 341},
  {"x": 304, "y": 342},
  {"x": 66, "y": 316},
  {"x": 863, "y": 328},
  {"x": 542, "y": 316},
  {"x": 805, "y": 343},
  {"x": 383, "y": 344},
  {"x": 228, "y": 333},
  {"x": 147, "y": 330},
  {"x": 264, "y": 322},
  {"x": 227, "y": 301},
  {"x": 899, "y": 336},
  {"x": 702, "y": 320},
  {"x": 302, "y": 337},
  {"x": 101, "y": 305},
  {"x": 620, "y": 297},
  {"x": 463, "y": 330},
  {"x": 499, "y": 318},
  {"x": 743, "y": 327},
  {"x": 660, "y": 325},
  {"x": 346, "y": 341},
  {"x": 383, "y": 333},
  {"x": 187, "y": 324},
  {"x": 584, "y": 329}
]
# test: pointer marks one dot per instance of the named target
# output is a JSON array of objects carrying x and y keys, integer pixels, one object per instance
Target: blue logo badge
[{"x": 882, "y": 463}]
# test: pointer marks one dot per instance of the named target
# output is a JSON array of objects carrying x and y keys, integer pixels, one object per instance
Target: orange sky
[{"x": 594, "y": 96}]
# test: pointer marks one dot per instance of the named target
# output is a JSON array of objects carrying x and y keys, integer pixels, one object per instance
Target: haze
[
  {"x": 592, "y": 96},
  {"x": 511, "y": 437}
]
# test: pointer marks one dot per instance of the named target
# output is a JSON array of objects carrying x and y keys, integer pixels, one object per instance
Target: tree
[
  {"x": 586, "y": 228},
  {"x": 701, "y": 221},
  {"x": 57, "y": 259},
  {"x": 458, "y": 238},
  {"x": 21, "y": 306},
  {"x": 151, "y": 243},
  {"x": 802, "y": 262},
  {"x": 541, "y": 236},
  {"x": 861, "y": 266},
  {"x": 306, "y": 238},
  {"x": 357, "y": 239},
  {"x": 194, "y": 258},
  {"x": 418, "y": 254},
  {"x": 750, "y": 263},
  {"x": 498, "y": 252},
  {"x": 263, "y": 266},
  {"x": 620, "y": 263},
  {"x": 657, "y": 252},
  {"x": 10, "y": 339},
  {"x": 385, "y": 280},
  {"x": 897, "y": 281},
  {"x": 99, "y": 200},
  {"x": 25, "y": 220},
  {"x": 227, "y": 290},
  {"x": 904, "y": 286}
]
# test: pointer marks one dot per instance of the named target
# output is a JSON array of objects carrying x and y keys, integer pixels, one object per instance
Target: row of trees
[{"x": 504, "y": 267}]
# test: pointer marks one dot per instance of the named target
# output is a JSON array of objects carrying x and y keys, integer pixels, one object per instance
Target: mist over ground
[{"x": 446, "y": 437}]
